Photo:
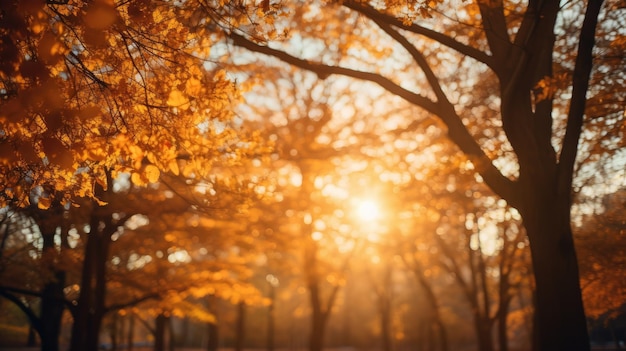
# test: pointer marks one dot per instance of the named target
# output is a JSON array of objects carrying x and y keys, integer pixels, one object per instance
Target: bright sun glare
[{"x": 368, "y": 210}]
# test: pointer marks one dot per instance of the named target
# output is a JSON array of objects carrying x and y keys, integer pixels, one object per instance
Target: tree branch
[
  {"x": 580, "y": 85},
  {"x": 457, "y": 132},
  {"x": 32, "y": 317},
  {"x": 443, "y": 39},
  {"x": 494, "y": 25},
  {"x": 131, "y": 303},
  {"x": 418, "y": 57},
  {"x": 323, "y": 71}
]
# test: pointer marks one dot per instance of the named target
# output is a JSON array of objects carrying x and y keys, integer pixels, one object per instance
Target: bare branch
[
  {"x": 323, "y": 71},
  {"x": 443, "y": 39},
  {"x": 457, "y": 132},
  {"x": 133, "y": 302},
  {"x": 580, "y": 85}
]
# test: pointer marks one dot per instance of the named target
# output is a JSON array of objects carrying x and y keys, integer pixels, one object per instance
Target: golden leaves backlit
[{"x": 106, "y": 85}]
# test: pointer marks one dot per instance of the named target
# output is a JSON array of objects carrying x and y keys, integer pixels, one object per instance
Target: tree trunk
[
  {"x": 113, "y": 331},
  {"x": 316, "y": 339},
  {"x": 240, "y": 326},
  {"x": 213, "y": 329},
  {"x": 483, "y": 333},
  {"x": 213, "y": 333},
  {"x": 160, "y": 332},
  {"x": 90, "y": 309},
  {"x": 52, "y": 308},
  {"x": 502, "y": 332},
  {"x": 435, "y": 324},
  {"x": 52, "y": 295},
  {"x": 560, "y": 323},
  {"x": 319, "y": 314},
  {"x": 131, "y": 331}
]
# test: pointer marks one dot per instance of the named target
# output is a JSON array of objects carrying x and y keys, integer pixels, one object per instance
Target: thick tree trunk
[{"x": 560, "y": 323}]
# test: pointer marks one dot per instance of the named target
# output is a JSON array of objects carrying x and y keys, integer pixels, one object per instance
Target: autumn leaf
[
  {"x": 44, "y": 203},
  {"x": 136, "y": 179},
  {"x": 173, "y": 167},
  {"x": 177, "y": 99},
  {"x": 152, "y": 173}
]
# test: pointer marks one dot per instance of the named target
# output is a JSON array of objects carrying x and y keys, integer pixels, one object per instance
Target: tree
[
  {"x": 512, "y": 53},
  {"x": 303, "y": 126},
  {"x": 36, "y": 251},
  {"x": 91, "y": 92}
]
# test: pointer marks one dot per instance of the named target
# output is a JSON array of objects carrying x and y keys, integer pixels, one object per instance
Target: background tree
[{"x": 303, "y": 126}]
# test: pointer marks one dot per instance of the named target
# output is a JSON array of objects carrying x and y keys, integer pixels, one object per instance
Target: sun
[{"x": 368, "y": 210}]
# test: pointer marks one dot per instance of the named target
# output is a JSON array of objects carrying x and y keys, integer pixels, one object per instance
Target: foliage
[
  {"x": 601, "y": 243},
  {"x": 95, "y": 86}
]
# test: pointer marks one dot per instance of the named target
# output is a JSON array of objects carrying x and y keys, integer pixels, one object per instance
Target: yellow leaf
[
  {"x": 173, "y": 166},
  {"x": 177, "y": 99},
  {"x": 152, "y": 173},
  {"x": 193, "y": 86},
  {"x": 44, "y": 203},
  {"x": 136, "y": 179}
]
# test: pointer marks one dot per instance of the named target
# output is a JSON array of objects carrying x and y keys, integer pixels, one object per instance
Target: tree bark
[{"x": 559, "y": 322}]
